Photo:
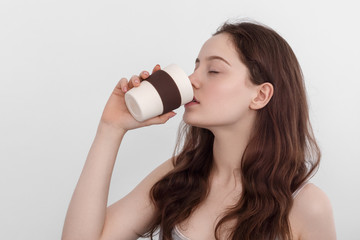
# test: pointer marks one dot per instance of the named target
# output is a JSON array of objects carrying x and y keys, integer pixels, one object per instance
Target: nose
[{"x": 194, "y": 79}]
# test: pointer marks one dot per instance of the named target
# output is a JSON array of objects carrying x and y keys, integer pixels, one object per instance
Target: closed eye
[{"x": 213, "y": 72}]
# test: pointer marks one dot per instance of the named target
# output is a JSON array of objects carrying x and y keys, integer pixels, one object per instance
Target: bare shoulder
[
  {"x": 311, "y": 216},
  {"x": 311, "y": 200}
]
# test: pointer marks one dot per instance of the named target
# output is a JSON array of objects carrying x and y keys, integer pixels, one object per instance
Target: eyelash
[{"x": 213, "y": 72}]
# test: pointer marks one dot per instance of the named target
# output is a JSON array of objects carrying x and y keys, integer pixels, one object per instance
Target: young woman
[{"x": 244, "y": 167}]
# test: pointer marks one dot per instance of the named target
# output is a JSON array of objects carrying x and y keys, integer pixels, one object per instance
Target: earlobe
[{"x": 264, "y": 94}]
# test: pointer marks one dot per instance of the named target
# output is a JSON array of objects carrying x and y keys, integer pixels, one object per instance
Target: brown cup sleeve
[{"x": 167, "y": 90}]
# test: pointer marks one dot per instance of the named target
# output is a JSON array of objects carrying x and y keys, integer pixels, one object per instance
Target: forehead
[{"x": 219, "y": 45}]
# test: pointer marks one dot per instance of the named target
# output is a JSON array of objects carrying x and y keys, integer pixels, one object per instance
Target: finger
[
  {"x": 156, "y": 68},
  {"x": 144, "y": 75},
  {"x": 160, "y": 119},
  {"x": 123, "y": 85},
  {"x": 135, "y": 80}
]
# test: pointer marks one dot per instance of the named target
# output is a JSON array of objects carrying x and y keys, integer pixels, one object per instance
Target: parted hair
[{"x": 280, "y": 156}]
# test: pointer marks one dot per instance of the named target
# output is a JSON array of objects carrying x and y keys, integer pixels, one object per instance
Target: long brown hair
[{"x": 281, "y": 155}]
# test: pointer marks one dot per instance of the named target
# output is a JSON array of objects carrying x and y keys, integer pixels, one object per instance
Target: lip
[{"x": 193, "y": 102}]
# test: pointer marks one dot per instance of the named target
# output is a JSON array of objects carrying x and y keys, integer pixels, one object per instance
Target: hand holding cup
[
  {"x": 162, "y": 92},
  {"x": 116, "y": 113}
]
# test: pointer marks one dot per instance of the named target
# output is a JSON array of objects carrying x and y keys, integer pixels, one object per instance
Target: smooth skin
[{"x": 218, "y": 79}]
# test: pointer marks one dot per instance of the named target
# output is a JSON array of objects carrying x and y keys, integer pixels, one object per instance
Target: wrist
[{"x": 110, "y": 129}]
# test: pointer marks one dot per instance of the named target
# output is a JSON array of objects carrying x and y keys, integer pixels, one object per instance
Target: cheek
[
  {"x": 228, "y": 102},
  {"x": 222, "y": 104},
  {"x": 231, "y": 96}
]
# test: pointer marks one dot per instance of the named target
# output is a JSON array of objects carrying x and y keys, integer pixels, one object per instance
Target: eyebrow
[{"x": 214, "y": 58}]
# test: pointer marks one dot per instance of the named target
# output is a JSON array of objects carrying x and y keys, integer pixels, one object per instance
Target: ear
[{"x": 264, "y": 93}]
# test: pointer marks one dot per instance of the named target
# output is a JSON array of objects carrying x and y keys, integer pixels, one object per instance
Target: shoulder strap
[{"x": 299, "y": 190}]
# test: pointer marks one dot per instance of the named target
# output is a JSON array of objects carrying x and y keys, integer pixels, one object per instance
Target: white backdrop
[{"x": 59, "y": 61}]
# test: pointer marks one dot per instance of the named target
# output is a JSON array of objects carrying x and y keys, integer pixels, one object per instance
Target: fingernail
[
  {"x": 136, "y": 81},
  {"x": 146, "y": 73},
  {"x": 125, "y": 89}
]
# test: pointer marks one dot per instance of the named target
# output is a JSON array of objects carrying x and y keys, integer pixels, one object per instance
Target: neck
[{"x": 229, "y": 146}]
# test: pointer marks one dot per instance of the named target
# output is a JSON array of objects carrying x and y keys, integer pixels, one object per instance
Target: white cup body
[{"x": 164, "y": 92}]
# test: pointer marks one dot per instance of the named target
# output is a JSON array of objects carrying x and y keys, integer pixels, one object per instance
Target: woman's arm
[
  {"x": 132, "y": 215},
  {"x": 88, "y": 216},
  {"x": 87, "y": 210}
]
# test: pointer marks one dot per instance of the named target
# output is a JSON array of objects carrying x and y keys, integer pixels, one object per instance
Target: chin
[
  {"x": 188, "y": 120},
  {"x": 211, "y": 123},
  {"x": 202, "y": 122},
  {"x": 192, "y": 120}
]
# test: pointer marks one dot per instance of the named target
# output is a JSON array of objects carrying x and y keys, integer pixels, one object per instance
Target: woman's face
[{"x": 222, "y": 86}]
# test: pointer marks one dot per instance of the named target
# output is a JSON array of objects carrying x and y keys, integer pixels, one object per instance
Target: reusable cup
[{"x": 162, "y": 92}]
